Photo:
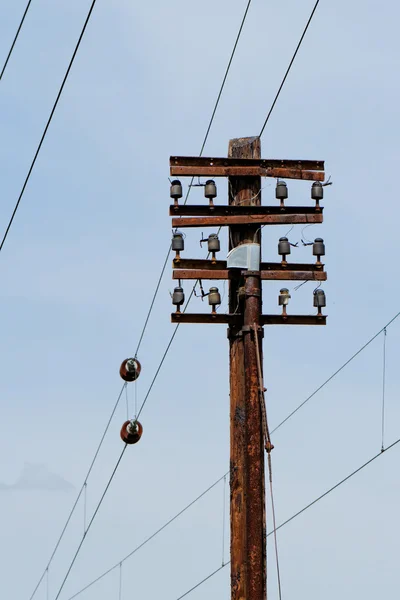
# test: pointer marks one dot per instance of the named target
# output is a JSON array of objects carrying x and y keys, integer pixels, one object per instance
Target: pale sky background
[{"x": 81, "y": 263}]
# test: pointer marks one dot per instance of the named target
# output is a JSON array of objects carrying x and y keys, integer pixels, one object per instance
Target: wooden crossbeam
[
  {"x": 199, "y": 263},
  {"x": 255, "y": 219},
  {"x": 227, "y": 167},
  {"x": 202, "y": 210},
  {"x": 281, "y": 275},
  {"x": 217, "y": 318}
]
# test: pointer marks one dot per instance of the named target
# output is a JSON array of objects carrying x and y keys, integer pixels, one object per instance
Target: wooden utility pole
[
  {"x": 245, "y": 217},
  {"x": 248, "y": 535}
]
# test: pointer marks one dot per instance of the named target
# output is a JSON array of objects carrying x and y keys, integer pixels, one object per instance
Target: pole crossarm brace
[
  {"x": 192, "y": 166},
  {"x": 200, "y": 210},
  {"x": 279, "y": 275},
  {"x": 216, "y": 318},
  {"x": 200, "y": 263},
  {"x": 254, "y": 219}
]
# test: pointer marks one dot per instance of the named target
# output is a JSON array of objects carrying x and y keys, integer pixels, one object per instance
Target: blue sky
[{"x": 81, "y": 263}]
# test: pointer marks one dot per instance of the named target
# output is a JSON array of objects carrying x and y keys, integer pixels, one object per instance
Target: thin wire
[
  {"x": 47, "y": 585},
  {"x": 225, "y": 76},
  {"x": 271, "y": 490},
  {"x": 168, "y": 347},
  {"x": 90, "y": 523},
  {"x": 141, "y": 408},
  {"x": 300, "y": 511},
  {"x": 120, "y": 581},
  {"x": 153, "y": 300},
  {"x": 127, "y": 402},
  {"x": 268, "y": 448},
  {"x": 383, "y": 389},
  {"x": 338, "y": 484},
  {"x": 223, "y": 521},
  {"x": 164, "y": 356},
  {"x": 15, "y": 39},
  {"x": 48, "y": 124},
  {"x": 166, "y": 259},
  {"x": 136, "y": 398},
  {"x": 79, "y": 494},
  {"x": 289, "y": 67},
  {"x": 202, "y": 581},
  {"x": 336, "y": 373},
  {"x": 152, "y": 536},
  {"x": 293, "y": 412},
  {"x": 84, "y": 507},
  {"x": 200, "y": 154}
]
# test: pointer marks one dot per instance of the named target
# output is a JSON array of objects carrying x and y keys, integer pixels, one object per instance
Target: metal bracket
[
  {"x": 249, "y": 329},
  {"x": 232, "y": 333},
  {"x": 253, "y": 293}
]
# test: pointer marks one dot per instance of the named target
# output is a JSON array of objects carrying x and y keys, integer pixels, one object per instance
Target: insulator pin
[
  {"x": 210, "y": 190},
  {"x": 281, "y": 191},
  {"x": 213, "y": 243},
  {"x": 319, "y": 299},
  {"x": 214, "y": 297},
  {"x": 178, "y": 298},
  {"x": 317, "y": 191},
  {"x": 178, "y": 243},
  {"x": 318, "y": 248},
  {"x": 176, "y": 190},
  {"x": 131, "y": 432},
  {"x": 283, "y": 247},
  {"x": 284, "y": 297},
  {"x": 130, "y": 369},
  {"x": 283, "y": 301}
]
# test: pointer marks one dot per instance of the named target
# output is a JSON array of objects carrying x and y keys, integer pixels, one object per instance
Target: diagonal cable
[
  {"x": 278, "y": 426},
  {"x": 300, "y": 511},
  {"x": 181, "y": 512},
  {"x": 200, "y": 154},
  {"x": 47, "y": 124},
  {"x": 15, "y": 40},
  {"x": 336, "y": 373},
  {"x": 147, "y": 540},
  {"x": 90, "y": 522},
  {"x": 79, "y": 495},
  {"x": 289, "y": 67}
]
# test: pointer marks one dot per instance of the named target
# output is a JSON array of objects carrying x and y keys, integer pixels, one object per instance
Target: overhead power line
[
  {"x": 97, "y": 452},
  {"x": 82, "y": 489},
  {"x": 147, "y": 540},
  {"x": 90, "y": 522},
  {"x": 142, "y": 406},
  {"x": 116, "y": 466},
  {"x": 336, "y": 372},
  {"x": 48, "y": 124},
  {"x": 278, "y": 426},
  {"x": 181, "y": 512},
  {"x": 200, "y": 154},
  {"x": 15, "y": 39},
  {"x": 289, "y": 67},
  {"x": 299, "y": 512}
]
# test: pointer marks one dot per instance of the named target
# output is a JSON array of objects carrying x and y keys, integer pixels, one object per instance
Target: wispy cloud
[{"x": 38, "y": 477}]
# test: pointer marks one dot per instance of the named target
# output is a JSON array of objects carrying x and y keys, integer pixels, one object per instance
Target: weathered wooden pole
[{"x": 248, "y": 535}]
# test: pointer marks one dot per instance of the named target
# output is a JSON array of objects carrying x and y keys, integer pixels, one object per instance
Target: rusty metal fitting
[
  {"x": 233, "y": 333},
  {"x": 269, "y": 447},
  {"x": 253, "y": 292},
  {"x": 130, "y": 369},
  {"x": 131, "y": 432}
]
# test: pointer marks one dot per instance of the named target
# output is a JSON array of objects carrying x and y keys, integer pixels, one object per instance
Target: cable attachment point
[
  {"x": 130, "y": 369},
  {"x": 202, "y": 293},
  {"x": 269, "y": 446},
  {"x": 131, "y": 432}
]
